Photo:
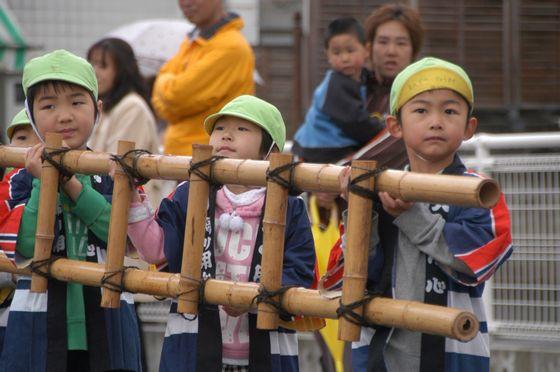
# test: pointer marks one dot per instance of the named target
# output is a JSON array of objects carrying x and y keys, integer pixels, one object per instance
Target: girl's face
[
  {"x": 105, "y": 70},
  {"x": 236, "y": 138}
]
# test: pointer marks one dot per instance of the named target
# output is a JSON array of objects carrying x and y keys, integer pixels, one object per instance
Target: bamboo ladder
[{"x": 449, "y": 322}]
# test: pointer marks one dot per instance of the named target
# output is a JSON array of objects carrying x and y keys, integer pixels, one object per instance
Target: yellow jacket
[{"x": 204, "y": 75}]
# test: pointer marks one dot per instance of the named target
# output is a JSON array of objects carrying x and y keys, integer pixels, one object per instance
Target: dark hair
[
  {"x": 127, "y": 74},
  {"x": 409, "y": 17},
  {"x": 266, "y": 142},
  {"x": 342, "y": 26},
  {"x": 56, "y": 85}
]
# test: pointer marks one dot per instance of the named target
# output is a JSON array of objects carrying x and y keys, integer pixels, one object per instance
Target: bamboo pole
[
  {"x": 409, "y": 186},
  {"x": 44, "y": 234},
  {"x": 415, "y": 316},
  {"x": 274, "y": 225},
  {"x": 199, "y": 191},
  {"x": 357, "y": 247},
  {"x": 116, "y": 242}
]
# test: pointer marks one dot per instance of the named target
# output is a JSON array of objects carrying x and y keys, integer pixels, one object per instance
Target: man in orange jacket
[{"x": 213, "y": 65}]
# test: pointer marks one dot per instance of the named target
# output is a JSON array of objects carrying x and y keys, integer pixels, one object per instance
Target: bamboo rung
[
  {"x": 193, "y": 245},
  {"x": 357, "y": 248},
  {"x": 46, "y": 213},
  {"x": 116, "y": 242},
  {"x": 415, "y": 316},
  {"x": 409, "y": 186},
  {"x": 274, "y": 226}
]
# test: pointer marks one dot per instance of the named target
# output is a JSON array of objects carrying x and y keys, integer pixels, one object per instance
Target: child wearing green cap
[
  {"x": 65, "y": 328},
  {"x": 224, "y": 338},
  {"x": 20, "y": 133},
  {"x": 437, "y": 254}
]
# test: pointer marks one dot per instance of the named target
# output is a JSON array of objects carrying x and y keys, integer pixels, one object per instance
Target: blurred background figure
[
  {"x": 126, "y": 114},
  {"x": 213, "y": 65}
]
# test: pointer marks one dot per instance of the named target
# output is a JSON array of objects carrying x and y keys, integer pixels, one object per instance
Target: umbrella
[{"x": 155, "y": 41}]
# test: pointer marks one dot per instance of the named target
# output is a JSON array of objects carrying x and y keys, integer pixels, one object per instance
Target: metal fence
[{"x": 523, "y": 299}]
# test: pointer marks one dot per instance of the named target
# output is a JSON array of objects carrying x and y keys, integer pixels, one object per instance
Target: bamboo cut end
[
  {"x": 488, "y": 193},
  {"x": 465, "y": 326}
]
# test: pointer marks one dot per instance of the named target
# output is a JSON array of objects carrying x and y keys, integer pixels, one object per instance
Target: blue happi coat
[
  {"x": 36, "y": 337},
  {"x": 193, "y": 343},
  {"x": 441, "y": 255}
]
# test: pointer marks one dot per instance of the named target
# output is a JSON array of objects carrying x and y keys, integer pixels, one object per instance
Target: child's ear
[
  {"x": 470, "y": 129},
  {"x": 99, "y": 106},
  {"x": 393, "y": 126}
]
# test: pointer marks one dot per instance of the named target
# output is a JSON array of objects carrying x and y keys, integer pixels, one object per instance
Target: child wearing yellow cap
[
  {"x": 223, "y": 338},
  {"x": 65, "y": 328},
  {"x": 436, "y": 254}
]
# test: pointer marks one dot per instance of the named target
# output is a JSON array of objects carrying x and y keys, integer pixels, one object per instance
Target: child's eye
[
  {"x": 451, "y": 111},
  {"x": 21, "y": 138},
  {"x": 243, "y": 129},
  {"x": 79, "y": 103},
  {"x": 47, "y": 107},
  {"x": 420, "y": 110}
]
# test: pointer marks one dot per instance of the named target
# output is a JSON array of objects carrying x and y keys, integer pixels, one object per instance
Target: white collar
[{"x": 245, "y": 198}]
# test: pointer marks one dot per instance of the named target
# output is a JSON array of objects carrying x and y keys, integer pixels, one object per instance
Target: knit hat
[
  {"x": 19, "y": 119},
  {"x": 63, "y": 66},
  {"x": 256, "y": 111},
  {"x": 427, "y": 74}
]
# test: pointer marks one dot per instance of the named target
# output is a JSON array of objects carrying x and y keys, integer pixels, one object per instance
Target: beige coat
[{"x": 131, "y": 120}]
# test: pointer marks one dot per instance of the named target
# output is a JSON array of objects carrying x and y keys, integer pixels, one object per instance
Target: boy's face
[
  {"x": 433, "y": 125},
  {"x": 391, "y": 50},
  {"x": 347, "y": 55},
  {"x": 24, "y": 136},
  {"x": 236, "y": 138},
  {"x": 68, "y": 110}
]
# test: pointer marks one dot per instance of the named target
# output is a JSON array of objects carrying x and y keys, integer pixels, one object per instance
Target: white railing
[{"x": 523, "y": 298}]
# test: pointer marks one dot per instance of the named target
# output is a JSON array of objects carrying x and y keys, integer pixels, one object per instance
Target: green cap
[
  {"x": 428, "y": 74},
  {"x": 256, "y": 111},
  {"x": 60, "y": 65},
  {"x": 19, "y": 119}
]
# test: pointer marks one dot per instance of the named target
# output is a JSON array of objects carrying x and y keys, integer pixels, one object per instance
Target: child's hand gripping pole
[
  {"x": 118, "y": 223},
  {"x": 199, "y": 191},
  {"x": 44, "y": 235},
  {"x": 274, "y": 225},
  {"x": 356, "y": 255}
]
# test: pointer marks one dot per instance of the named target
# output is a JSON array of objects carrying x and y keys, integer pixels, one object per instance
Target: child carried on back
[{"x": 337, "y": 122}]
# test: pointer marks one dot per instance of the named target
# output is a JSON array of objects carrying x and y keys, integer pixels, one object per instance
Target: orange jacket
[{"x": 203, "y": 76}]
